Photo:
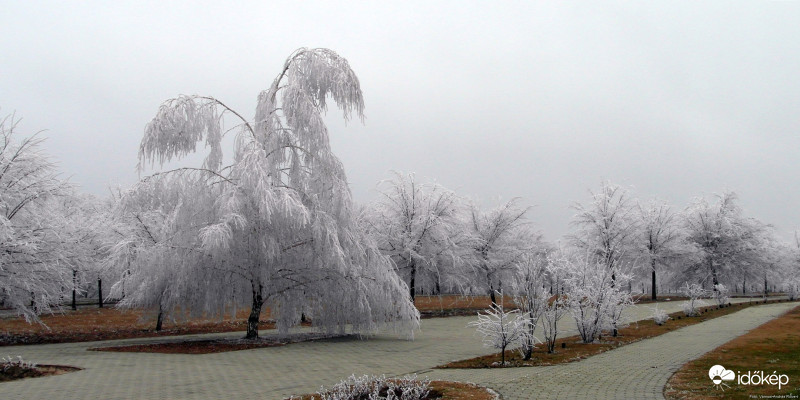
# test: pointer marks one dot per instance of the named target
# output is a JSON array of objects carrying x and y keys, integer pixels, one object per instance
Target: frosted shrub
[
  {"x": 377, "y": 387},
  {"x": 501, "y": 328},
  {"x": 595, "y": 302},
  {"x": 8, "y": 363},
  {"x": 721, "y": 294},
  {"x": 792, "y": 288},
  {"x": 660, "y": 316},
  {"x": 694, "y": 292}
]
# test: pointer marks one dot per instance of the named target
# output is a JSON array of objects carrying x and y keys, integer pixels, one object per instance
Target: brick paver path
[{"x": 277, "y": 372}]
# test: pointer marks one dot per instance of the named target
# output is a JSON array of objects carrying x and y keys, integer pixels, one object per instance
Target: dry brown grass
[
  {"x": 576, "y": 350},
  {"x": 89, "y": 324},
  {"x": 773, "y": 346},
  {"x": 452, "y": 305}
]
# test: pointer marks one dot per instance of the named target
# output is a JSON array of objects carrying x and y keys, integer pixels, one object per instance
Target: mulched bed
[
  {"x": 215, "y": 345},
  {"x": 15, "y": 372}
]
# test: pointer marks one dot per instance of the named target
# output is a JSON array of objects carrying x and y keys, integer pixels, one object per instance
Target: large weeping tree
[{"x": 274, "y": 228}]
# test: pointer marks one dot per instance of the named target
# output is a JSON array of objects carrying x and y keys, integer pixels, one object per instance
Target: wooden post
[{"x": 100, "y": 291}]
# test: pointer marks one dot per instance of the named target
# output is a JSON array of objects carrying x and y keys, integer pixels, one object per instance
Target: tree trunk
[
  {"x": 713, "y": 273},
  {"x": 255, "y": 313},
  {"x": 412, "y": 280},
  {"x": 491, "y": 293},
  {"x": 160, "y": 318},
  {"x": 100, "y": 292},
  {"x": 529, "y": 340},
  {"x": 653, "y": 265}
]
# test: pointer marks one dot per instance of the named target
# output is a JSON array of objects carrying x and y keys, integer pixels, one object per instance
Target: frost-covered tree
[
  {"x": 86, "y": 237},
  {"x": 606, "y": 227},
  {"x": 659, "y": 236},
  {"x": 417, "y": 225},
  {"x": 501, "y": 238},
  {"x": 556, "y": 308},
  {"x": 35, "y": 263},
  {"x": 501, "y": 328},
  {"x": 144, "y": 257},
  {"x": 727, "y": 240},
  {"x": 531, "y": 295},
  {"x": 594, "y": 301},
  {"x": 275, "y": 227},
  {"x": 790, "y": 270}
]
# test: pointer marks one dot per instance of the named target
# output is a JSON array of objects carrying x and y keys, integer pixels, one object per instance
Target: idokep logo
[{"x": 719, "y": 375}]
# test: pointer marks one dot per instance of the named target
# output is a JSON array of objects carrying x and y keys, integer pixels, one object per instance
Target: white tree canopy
[
  {"x": 275, "y": 227},
  {"x": 35, "y": 262},
  {"x": 501, "y": 239},
  {"x": 606, "y": 226},
  {"x": 728, "y": 241},
  {"x": 660, "y": 237},
  {"x": 418, "y": 226}
]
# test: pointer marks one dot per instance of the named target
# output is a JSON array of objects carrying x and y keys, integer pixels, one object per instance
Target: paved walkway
[
  {"x": 636, "y": 371},
  {"x": 274, "y": 373}
]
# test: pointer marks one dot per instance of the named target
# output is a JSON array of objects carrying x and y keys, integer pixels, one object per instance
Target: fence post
[{"x": 100, "y": 291}]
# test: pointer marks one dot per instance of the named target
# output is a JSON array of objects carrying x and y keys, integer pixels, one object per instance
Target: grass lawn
[
  {"x": 772, "y": 347},
  {"x": 575, "y": 350}
]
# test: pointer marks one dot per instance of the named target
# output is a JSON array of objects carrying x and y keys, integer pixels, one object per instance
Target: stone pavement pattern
[
  {"x": 277, "y": 372},
  {"x": 636, "y": 371}
]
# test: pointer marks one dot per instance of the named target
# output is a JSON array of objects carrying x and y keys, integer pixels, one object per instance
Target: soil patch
[{"x": 15, "y": 372}]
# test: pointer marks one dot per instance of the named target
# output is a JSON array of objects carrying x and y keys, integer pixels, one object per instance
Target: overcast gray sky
[{"x": 492, "y": 99}]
